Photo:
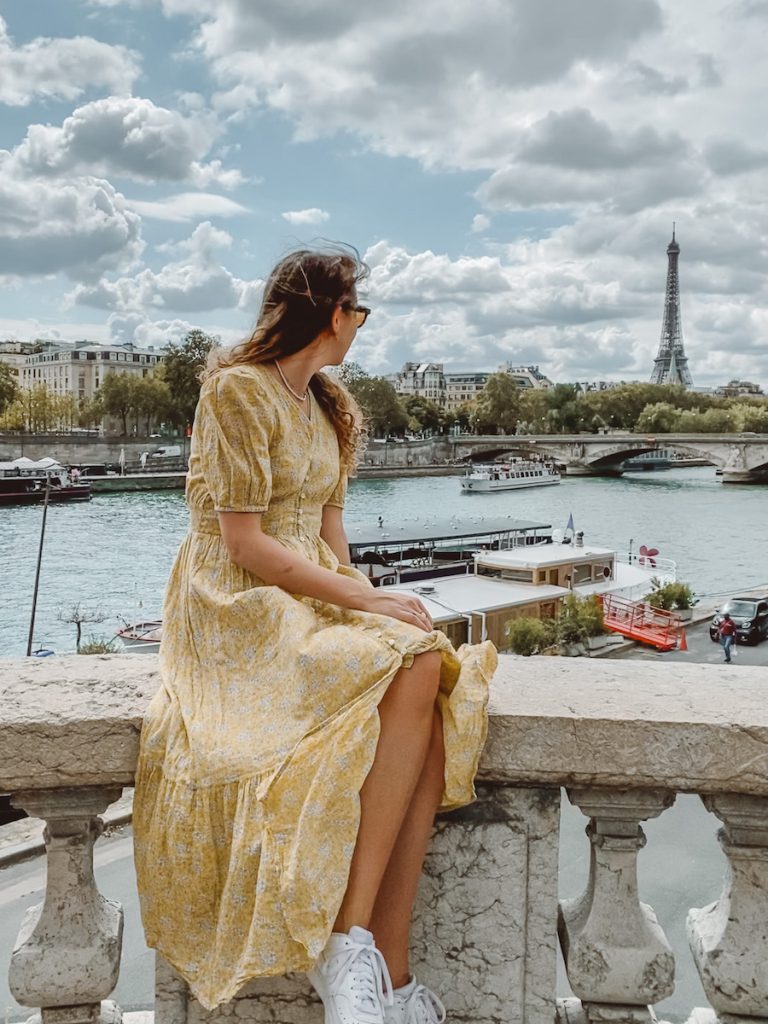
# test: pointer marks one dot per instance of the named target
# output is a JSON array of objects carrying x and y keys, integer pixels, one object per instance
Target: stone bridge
[{"x": 743, "y": 458}]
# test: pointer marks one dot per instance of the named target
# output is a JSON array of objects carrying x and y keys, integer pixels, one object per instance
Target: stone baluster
[
  {"x": 729, "y": 938},
  {"x": 67, "y": 954},
  {"x": 617, "y": 957}
]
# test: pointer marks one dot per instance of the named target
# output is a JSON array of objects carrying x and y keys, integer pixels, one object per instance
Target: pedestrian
[
  {"x": 143, "y": 460},
  {"x": 727, "y": 635},
  {"x": 308, "y": 725}
]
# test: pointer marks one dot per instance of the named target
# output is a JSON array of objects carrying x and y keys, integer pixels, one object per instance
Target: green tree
[
  {"x": 565, "y": 412},
  {"x": 90, "y": 412},
  {"x": 352, "y": 374},
  {"x": 383, "y": 409},
  {"x": 533, "y": 411},
  {"x": 182, "y": 367},
  {"x": 498, "y": 405},
  {"x": 117, "y": 397},
  {"x": 8, "y": 387},
  {"x": 423, "y": 414},
  {"x": 151, "y": 400},
  {"x": 659, "y": 418},
  {"x": 464, "y": 415}
]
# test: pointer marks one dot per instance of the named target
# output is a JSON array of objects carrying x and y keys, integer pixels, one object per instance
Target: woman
[{"x": 308, "y": 725}]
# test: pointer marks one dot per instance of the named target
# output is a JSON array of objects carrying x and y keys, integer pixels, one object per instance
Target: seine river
[{"x": 115, "y": 553}]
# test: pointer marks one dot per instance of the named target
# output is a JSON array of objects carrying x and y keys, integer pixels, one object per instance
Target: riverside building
[
  {"x": 79, "y": 368},
  {"x": 450, "y": 390}
]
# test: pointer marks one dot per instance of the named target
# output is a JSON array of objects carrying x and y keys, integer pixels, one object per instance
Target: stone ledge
[{"x": 75, "y": 721}]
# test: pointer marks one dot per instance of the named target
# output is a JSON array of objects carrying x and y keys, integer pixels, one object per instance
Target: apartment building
[
  {"x": 79, "y": 368},
  {"x": 463, "y": 387},
  {"x": 526, "y": 377},
  {"x": 450, "y": 390},
  {"x": 424, "y": 379},
  {"x": 14, "y": 355}
]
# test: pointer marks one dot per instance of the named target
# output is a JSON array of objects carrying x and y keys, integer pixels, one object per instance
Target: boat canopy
[{"x": 390, "y": 534}]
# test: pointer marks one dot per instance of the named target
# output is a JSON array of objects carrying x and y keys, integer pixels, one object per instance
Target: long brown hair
[{"x": 300, "y": 296}]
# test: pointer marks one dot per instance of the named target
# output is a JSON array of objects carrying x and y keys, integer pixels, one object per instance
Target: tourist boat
[
  {"x": 141, "y": 637},
  {"x": 530, "y": 580},
  {"x": 508, "y": 476},
  {"x": 406, "y": 551},
  {"x": 23, "y": 482},
  {"x": 475, "y": 577}
]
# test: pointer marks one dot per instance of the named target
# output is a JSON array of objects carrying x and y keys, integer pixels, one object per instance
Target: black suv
[{"x": 750, "y": 614}]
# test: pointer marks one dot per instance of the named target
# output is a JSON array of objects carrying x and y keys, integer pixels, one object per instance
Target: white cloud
[
  {"x": 80, "y": 228},
  {"x": 125, "y": 136},
  {"x": 579, "y": 316},
  {"x": 480, "y": 223},
  {"x": 310, "y": 216},
  {"x": 148, "y": 333},
  {"x": 62, "y": 69},
  {"x": 187, "y": 206},
  {"x": 195, "y": 283}
]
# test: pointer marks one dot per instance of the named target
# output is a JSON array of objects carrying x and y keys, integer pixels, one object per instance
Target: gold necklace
[{"x": 301, "y": 398}]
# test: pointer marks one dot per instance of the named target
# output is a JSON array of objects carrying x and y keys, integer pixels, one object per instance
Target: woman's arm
[
  {"x": 333, "y": 533},
  {"x": 265, "y": 557}
]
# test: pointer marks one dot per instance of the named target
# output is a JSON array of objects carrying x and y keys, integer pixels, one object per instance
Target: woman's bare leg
[
  {"x": 391, "y": 918},
  {"x": 406, "y": 715}
]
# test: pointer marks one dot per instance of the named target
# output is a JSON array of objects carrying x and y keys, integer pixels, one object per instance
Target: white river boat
[{"x": 508, "y": 476}]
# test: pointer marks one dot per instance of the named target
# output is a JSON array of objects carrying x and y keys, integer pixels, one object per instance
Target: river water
[{"x": 115, "y": 554}]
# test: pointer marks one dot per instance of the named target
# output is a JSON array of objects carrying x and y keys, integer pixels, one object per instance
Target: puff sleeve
[
  {"x": 233, "y": 426},
  {"x": 339, "y": 495}
]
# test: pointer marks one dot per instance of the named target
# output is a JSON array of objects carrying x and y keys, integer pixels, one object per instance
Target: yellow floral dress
[{"x": 255, "y": 747}]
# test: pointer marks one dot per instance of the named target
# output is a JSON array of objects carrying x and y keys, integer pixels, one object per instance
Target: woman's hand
[{"x": 405, "y": 607}]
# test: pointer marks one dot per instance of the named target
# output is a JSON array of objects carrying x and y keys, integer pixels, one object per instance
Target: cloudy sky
[{"x": 509, "y": 168}]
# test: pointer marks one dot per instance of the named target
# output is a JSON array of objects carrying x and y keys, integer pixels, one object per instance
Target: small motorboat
[
  {"x": 23, "y": 482},
  {"x": 141, "y": 637}
]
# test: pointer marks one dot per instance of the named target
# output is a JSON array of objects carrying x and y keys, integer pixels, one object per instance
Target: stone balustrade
[{"x": 621, "y": 738}]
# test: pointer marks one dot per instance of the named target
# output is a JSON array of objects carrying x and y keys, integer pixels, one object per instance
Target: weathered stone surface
[
  {"x": 573, "y": 722},
  {"x": 729, "y": 938},
  {"x": 617, "y": 957},
  {"x": 578, "y": 722},
  {"x": 72, "y": 721},
  {"x": 67, "y": 955},
  {"x": 483, "y": 935}
]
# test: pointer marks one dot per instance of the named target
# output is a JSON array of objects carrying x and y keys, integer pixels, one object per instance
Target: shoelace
[
  {"x": 423, "y": 1006},
  {"x": 370, "y": 980}
]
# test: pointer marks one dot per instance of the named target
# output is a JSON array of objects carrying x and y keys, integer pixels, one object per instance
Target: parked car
[{"x": 750, "y": 614}]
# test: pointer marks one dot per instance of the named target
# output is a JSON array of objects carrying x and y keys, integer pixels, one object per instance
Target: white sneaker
[
  {"x": 352, "y": 979},
  {"x": 414, "y": 1004}
]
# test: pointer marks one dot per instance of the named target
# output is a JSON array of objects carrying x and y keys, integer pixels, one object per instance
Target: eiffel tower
[{"x": 671, "y": 364}]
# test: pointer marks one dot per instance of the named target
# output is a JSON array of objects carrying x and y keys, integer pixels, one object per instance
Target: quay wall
[{"x": 76, "y": 451}]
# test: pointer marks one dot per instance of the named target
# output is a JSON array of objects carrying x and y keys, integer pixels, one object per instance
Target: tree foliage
[
  {"x": 8, "y": 387},
  {"x": 498, "y": 405},
  {"x": 181, "y": 370},
  {"x": 39, "y": 410},
  {"x": 117, "y": 395},
  {"x": 423, "y": 414}
]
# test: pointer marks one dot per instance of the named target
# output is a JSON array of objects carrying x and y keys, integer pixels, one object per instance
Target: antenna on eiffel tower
[{"x": 671, "y": 363}]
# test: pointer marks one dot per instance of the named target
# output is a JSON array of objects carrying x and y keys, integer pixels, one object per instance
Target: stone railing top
[{"x": 75, "y": 721}]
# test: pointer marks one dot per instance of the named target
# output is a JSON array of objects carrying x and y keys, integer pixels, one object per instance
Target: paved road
[{"x": 701, "y": 650}]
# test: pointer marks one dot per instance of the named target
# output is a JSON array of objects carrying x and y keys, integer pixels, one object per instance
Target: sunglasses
[{"x": 361, "y": 312}]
